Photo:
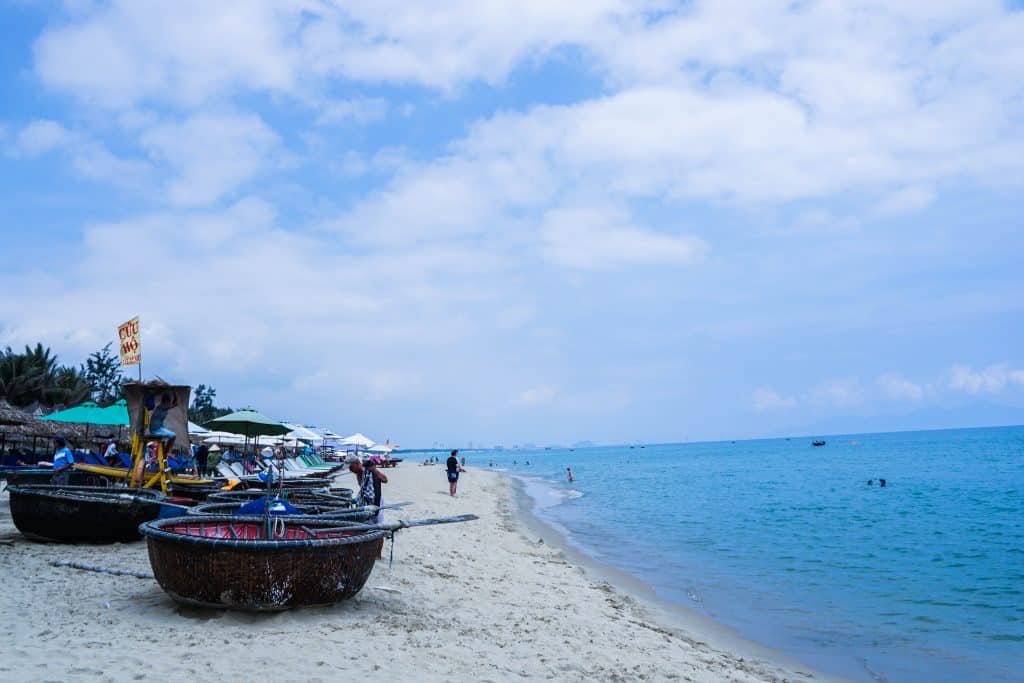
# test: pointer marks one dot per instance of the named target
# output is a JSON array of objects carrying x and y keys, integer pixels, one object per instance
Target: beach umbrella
[
  {"x": 248, "y": 422},
  {"x": 224, "y": 437},
  {"x": 84, "y": 413},
  {"x": 358, "y": 440},
  {"x": 303, "y": 433},
  {"x": 116, "y": 414},
  {"x": 88, "y": 413}
]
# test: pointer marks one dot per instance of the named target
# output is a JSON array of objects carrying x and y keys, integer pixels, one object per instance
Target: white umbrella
[
  {"x": 197, "y": 430},
  {"x": 382, "y": 448},
  {"x": 224, "y": 437},
  {"x": 303, "y": 433},
  {"x": 358, "y": 440}
]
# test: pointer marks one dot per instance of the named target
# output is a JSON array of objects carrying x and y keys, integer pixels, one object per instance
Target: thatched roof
[
  {"x": 19, "y": 426},
  {"x": 9, "y": 415}
]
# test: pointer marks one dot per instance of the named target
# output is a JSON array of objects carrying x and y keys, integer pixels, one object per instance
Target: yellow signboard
[{"x": 129, "y": 343}]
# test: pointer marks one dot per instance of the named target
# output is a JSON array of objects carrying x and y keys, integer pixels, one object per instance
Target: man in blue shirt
[{"x": 62, "y": 462}]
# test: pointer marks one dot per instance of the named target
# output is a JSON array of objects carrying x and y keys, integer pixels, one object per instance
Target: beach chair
[{"x": 94, "y": 459}]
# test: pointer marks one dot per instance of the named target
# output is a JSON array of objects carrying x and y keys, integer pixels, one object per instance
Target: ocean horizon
[{"x": 789, "y": 545}]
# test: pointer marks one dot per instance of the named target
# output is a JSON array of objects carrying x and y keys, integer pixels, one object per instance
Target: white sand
[{"x": 483, "y": 601}]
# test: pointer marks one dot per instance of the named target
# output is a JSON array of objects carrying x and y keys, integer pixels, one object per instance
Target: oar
[
  {"x": 391, "y": 506},
  {"x": 394, "y": 526}
]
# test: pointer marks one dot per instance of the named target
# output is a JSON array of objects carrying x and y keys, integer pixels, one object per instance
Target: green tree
[
  {"x": 203, "y": 408},
  {"x": 102, "y": 372},
  {"x": 34, "y": 375}
]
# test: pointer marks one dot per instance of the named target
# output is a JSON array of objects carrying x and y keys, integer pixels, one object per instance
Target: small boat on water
[
  {"x": 229, "y": 561},
  {"x": 82, "y": 514},
  {"x": 817, "y": 443}
]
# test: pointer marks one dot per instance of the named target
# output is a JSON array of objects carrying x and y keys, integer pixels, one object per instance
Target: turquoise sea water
[{"x": 922, "y": 580}]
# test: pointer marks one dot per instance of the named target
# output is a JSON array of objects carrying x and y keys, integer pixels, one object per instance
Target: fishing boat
[
  {"x": 341, "y": 498},
  {"x": 266, "y": 563},
  {"x": 817, "y": 443},
  {"x": 82, "y": 514},
  {"x": 276, "y": 507},
  {"x": 33, "y": 474},
  {"x": 231, "y": 561}
]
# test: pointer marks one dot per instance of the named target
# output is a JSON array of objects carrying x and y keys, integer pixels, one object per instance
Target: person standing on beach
[
  {"x": 202, "y": 459},
  {"x": 454, "y": 468},
  {"x": 370, "y": 479},
  {"x": 63, "y": 459}
]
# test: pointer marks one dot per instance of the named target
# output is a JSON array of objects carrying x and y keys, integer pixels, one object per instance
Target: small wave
[{"x": 546, "y": 494}]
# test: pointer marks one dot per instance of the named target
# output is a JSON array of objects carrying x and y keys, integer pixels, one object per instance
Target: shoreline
[
  {"x": 482, "y": 601},
  {"x": 687, "y": 622}
]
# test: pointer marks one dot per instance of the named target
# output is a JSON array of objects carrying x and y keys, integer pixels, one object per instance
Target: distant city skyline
[{"x": 554, "y": 221}]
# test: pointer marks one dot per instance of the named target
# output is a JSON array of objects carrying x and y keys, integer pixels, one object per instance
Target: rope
[
  {"x": 279, "y": 527},
  {"x": 102, "y": 570}
]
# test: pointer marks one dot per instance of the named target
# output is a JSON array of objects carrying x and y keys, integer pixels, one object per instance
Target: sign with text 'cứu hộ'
[{"x": 129, "y": 343}]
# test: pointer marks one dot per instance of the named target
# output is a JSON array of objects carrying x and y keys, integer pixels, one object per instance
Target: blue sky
[{"x": 528, "y": 221}]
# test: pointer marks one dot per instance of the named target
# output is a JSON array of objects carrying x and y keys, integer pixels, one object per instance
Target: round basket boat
[
  {"x": 294, "y": 496},
  {"x": 82, "y": 514},
  {"x": 227, "y": 561},
  {"x": 310, "y": 509}
]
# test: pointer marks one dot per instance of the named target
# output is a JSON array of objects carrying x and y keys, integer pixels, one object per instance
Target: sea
[{"x": 799, "y": 548}]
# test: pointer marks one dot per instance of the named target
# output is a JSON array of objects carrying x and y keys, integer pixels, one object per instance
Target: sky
[{"x": 443, "y": 222}]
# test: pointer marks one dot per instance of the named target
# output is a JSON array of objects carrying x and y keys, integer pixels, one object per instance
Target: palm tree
[{"x": 34, "y": 375}]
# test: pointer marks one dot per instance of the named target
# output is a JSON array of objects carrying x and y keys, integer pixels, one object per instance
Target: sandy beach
[{"x": 483, "y": 601}]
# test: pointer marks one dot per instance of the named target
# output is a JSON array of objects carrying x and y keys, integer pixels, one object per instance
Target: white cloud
[
  {"x": 838, "y": 393},
  {"x": 41, "y": 136},
  {"x": 89, "y": 158},
  {"x": 537, "y": 396},
  {"x": 899, "y": 388},
  {"x": 602, "y": 238},
  {"x": 907, "y": 200},
  {"x": 355, "y": 110},
  {"x": 211, "y": 154},
  {"x": 768, "y": 401},
  {"x": 990, "y": 380},
  {"x": 127, "y": 52}
]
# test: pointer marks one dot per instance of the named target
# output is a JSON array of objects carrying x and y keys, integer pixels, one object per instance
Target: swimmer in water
[{"x": 568, "y": 471}]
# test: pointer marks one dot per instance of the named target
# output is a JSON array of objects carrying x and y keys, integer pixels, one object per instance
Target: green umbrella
[
  {"x": 248, "y": 422},
  {"x": 85, "y": 413},
  {"x": 117, "y": 414}
]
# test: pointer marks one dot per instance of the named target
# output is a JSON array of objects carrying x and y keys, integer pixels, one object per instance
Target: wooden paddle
[{"x": 394, "y": 526}]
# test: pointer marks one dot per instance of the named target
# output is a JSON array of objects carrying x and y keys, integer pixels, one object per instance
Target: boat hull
[
  {"x": 197, "y": 563},
  {"x": 318, "y": 511},
  {"x": 81, "y": 514}
]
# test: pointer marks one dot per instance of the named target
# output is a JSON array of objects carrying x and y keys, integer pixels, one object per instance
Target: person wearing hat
[{"x": 63, "y": 459}]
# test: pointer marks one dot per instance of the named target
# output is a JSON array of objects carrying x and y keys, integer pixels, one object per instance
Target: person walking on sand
[{"x": 453, "y": 472}]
